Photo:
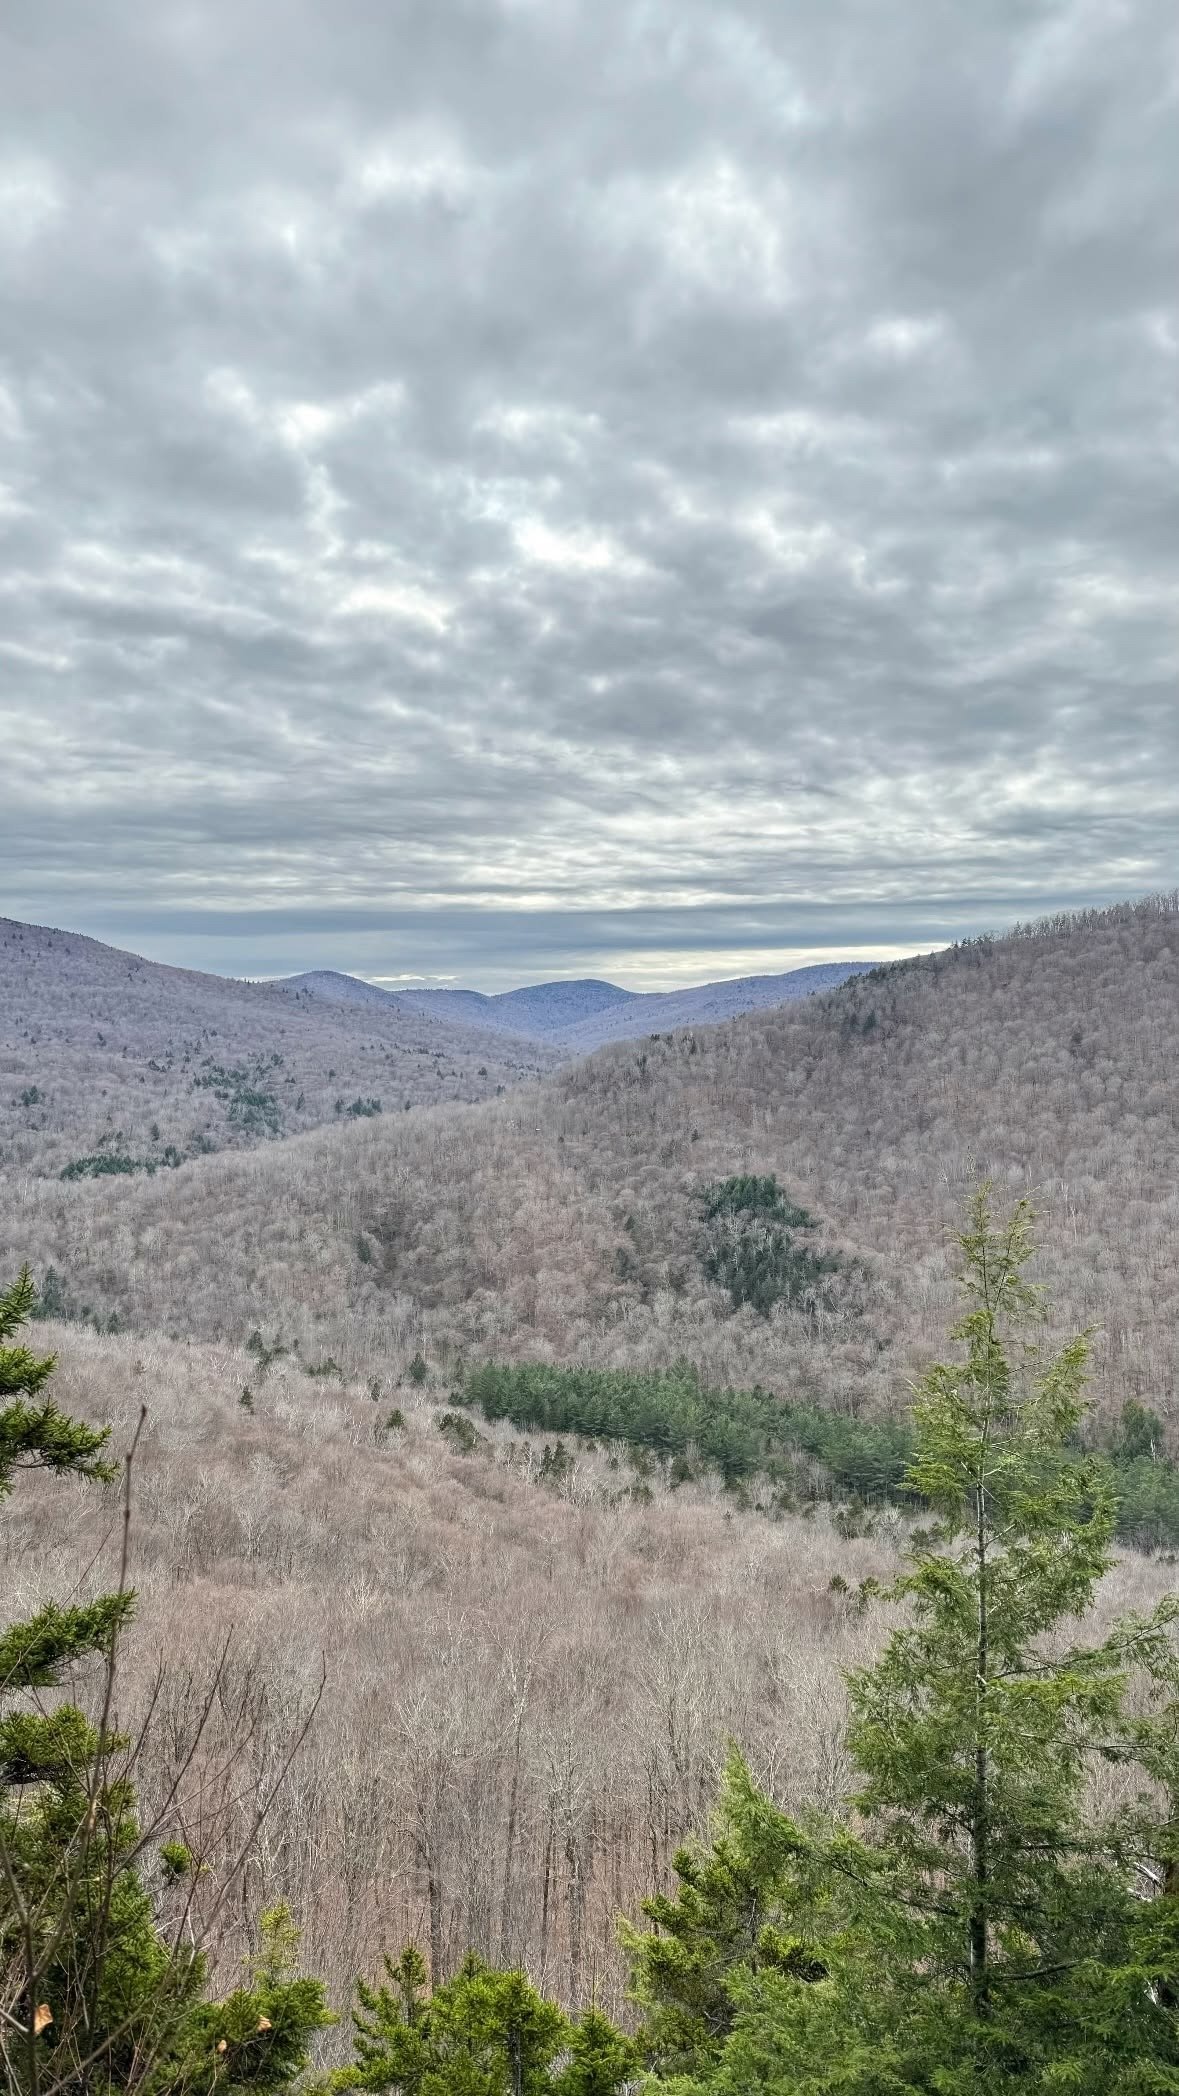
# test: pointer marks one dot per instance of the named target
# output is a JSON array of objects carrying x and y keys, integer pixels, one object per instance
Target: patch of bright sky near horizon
[
  {"x": 667, "y": 971},
  {"x": 664, "y": 489}
]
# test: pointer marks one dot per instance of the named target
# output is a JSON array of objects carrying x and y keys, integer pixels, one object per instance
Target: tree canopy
[{"x": 971, "y": 1921}]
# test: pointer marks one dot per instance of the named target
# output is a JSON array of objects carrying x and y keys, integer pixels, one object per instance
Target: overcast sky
[{"x": 659, "y": 488}]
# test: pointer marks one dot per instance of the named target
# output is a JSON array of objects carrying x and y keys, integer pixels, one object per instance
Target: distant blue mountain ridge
[{"x": 583, "y": 1014}]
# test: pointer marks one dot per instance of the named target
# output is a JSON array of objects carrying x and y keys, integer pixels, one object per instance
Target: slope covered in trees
[
  {"x": 533, "y": 1669},
  {"x": 565, "y": 1221},
  {"x": 953, "y": 1869},
  {"x": 572, "y": 1427},
  {"x": 113, "y": 1066}
]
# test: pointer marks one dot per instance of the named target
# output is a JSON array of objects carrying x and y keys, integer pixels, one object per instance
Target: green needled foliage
[
  {"x": 34, "y": 1434},
  {"x": 756, "y": 1898},
  {"x": 752, "y": 1435},
  {"x": 672, "y": 1413},
  {"x": 751, "y": 1247},
  {"x": 600, "y": 2061},
  {"x": 259, "y": 2038},
  {"x": 984, "y": 1930},
  {"x": 95, "y": 1998},
  {"x": 978, "y": 1729},
  {"x": 483, "y": 2033},
  {"x": 491, "y": 2032},
  {"x": 33, "y": 1654},
  {"x": 87, "y": 1980},
  {"x": 972, "y": 1733}
]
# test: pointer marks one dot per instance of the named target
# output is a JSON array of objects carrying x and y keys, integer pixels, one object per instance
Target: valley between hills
[{"x": 547, "y": 1604}]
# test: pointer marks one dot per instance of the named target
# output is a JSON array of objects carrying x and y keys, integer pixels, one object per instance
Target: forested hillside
[
  {"x": 571, "y": 1431},
  {"x": 113, "y": 1066},
  {"x": 565, "y": 1221},
  {"x": 493, "y": 1628},
  {"x": 402, "y": 1680}
]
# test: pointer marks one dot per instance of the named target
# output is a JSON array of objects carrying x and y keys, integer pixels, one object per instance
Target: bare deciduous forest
[
  {"x": 104, "y": 1056},
  {"x": 562, "y": 1221},
  {"x": 534, "y": 1669},
  {"x": 531, "y": 1688}
]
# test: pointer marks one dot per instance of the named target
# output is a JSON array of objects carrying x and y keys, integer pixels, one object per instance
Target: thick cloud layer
[{"x": 491, "y": 486}]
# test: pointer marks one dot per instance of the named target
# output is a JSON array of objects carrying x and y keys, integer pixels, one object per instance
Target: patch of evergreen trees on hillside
[
  {"x": 743, "y": 1434},
  {"x": 750, "y": 1193},
  {"x": 106, "y": 1164},
  {"x": 753, "y": 1251},
  {"x": 739, "y": 1433},
  {"x": 243, "y": 1089},
  {"x": 1147, "y": 1493}
]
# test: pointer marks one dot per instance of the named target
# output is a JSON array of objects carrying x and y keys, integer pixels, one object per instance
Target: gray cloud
[{"x": 492, "y": 484}]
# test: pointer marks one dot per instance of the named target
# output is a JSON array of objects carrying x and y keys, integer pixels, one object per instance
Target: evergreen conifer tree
[
  {"x": 984, "y": 1930},
  {"x": 755, "y": 1896},
  {"x": 601, "y": 2061},
  {"x": 85, "y": 1977},
  {"x": 257, "y": 2041},
  {"x": 94, "y": 1998},
  {"x": 486, "y": 2032}
]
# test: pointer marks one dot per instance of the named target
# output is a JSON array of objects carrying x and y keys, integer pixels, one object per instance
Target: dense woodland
[
  {"x": 562, "y": 1221},
  {"x": 116, "y": 1067},
  {"x": 574, "y": 1432},
  {"x": 961, "y": 1900}
]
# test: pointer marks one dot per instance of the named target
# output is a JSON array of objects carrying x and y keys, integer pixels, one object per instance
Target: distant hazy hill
[
  {"x": 116, "y": 1060},
  {"x": 334, "y": 988},
  {"x": 579, "y": 1016},
  {"x": 709, "y": 1005},
  {"x": 540, "y": 1011},
  {"x": 537, "y": 1012}
]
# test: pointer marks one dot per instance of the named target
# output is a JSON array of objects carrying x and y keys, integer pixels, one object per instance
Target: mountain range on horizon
[
  {"x": 115, "y": 1063},
  {"x": 578, "y": 1015}
]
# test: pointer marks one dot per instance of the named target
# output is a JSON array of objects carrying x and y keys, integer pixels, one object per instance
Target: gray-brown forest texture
[
  {"x": 561, "y": 1221},
  {"x": 104, "y": 1053},
  {"x": 532, "y": 1680}
]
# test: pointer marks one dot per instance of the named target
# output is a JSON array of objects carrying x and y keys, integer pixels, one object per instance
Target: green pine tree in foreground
[
  {"x": 80, "y": 1961},
  {"x": 974, "y": 1924},
  {"x": 95, "y": 1996},
  {"x": 483, "y": 2033}
]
